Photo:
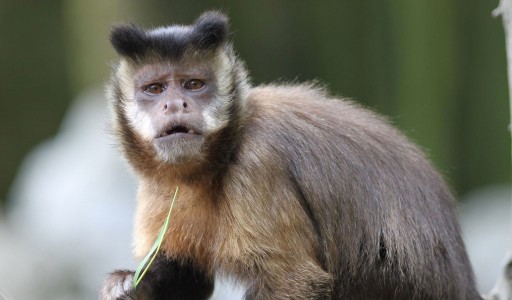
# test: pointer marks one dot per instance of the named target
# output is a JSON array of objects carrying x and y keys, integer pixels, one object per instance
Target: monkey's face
[
  {"x": 174, "y": 89},
  {"x": 173, "y": 107}
]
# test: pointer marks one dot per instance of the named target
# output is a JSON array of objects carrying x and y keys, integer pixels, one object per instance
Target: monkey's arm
[{"x": 165, "y": 279}]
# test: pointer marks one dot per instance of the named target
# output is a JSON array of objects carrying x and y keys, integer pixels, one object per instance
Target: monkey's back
[{"x": 382, "y": 217}]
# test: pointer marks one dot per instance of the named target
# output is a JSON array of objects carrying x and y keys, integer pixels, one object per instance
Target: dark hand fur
[{"x": 298, "y": 196}]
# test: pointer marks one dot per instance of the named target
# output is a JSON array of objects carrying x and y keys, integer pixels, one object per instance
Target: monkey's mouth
[{"x": 177, "y": 130}]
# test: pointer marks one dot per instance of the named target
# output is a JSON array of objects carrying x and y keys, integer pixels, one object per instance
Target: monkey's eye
[
  {"x": 193, "y": 84},
  {"x": 154, "y": 88}
]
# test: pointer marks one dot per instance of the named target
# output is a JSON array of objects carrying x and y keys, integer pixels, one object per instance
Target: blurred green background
[{"x": 436, "y": 67}]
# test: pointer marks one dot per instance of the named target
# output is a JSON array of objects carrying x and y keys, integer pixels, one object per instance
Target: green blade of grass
[{"x": 144, "y": 264}]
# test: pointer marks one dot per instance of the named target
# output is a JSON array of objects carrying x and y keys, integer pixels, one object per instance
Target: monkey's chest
[{"x": 195, "y": 231}]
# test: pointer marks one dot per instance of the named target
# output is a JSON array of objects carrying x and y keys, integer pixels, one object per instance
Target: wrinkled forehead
[
  {"x": 185, "y": 67},
  {"x": 190, "y": 64}
]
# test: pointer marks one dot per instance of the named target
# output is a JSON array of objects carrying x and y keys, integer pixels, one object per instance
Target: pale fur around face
[
  {"x": 139, "y": 120},
  {"x": 215, "y": 115}
]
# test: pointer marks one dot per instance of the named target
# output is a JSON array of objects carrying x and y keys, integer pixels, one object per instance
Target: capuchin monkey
[{"x": 288, "y": 191}]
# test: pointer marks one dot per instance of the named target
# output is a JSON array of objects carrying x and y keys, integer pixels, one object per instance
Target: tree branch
[{"x": 503, "y": 288}]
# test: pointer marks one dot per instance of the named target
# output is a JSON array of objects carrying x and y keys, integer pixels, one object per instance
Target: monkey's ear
[
  {"x": 129, "y": 40},
  {"x": 210, "y": 30}
]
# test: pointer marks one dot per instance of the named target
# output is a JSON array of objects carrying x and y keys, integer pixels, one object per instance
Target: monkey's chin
[{"x": 179, "y": 148}]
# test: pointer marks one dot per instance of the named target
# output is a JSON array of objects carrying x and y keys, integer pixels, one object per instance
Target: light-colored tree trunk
[{"x": 503, "y": 288}]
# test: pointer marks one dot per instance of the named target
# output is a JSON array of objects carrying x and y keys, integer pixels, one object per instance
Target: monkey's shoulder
[
  {"x": 308, "y": 108},
  {"x": 303, "y": 123}
]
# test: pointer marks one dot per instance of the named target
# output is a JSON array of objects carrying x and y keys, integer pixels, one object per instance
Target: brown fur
[
  {"x": 254, "y": 221},
  {"x": 301, "y": 196}
]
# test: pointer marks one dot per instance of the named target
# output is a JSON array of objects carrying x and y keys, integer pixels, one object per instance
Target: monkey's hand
[
  {"x": 166, "y": 279},
  {"x": 119, "y": 286}
]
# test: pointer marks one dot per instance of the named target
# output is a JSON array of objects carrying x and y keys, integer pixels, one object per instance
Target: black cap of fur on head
[{"x": 208, "y": 32}]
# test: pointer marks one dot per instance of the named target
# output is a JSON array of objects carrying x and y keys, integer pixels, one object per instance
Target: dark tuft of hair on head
[
  {"x": 210, "y": 30},
  {"x": 129, "y": 40}
]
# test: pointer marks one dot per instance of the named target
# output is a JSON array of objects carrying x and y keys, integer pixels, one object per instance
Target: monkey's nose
[{"x": 174, "y": 106}]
